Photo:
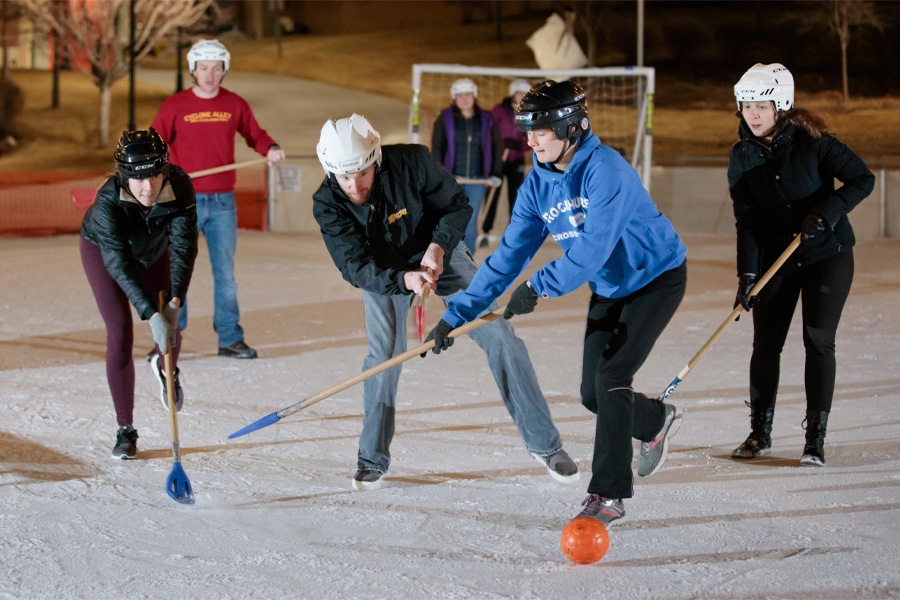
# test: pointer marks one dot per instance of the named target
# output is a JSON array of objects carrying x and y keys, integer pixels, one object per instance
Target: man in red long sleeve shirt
[{"x": 199, "y": 125}]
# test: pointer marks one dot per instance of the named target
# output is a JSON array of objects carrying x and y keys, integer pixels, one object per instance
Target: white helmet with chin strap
[
  {"x": 208, "y": 50},
  {"x": 348, "y": 145},
  {"x": 519, "y": 85},
  {"x": 463, "y": 86},
  {"x": 763, "y": 83}
]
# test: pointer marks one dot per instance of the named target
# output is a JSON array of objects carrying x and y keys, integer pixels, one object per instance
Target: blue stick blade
[
  {"x": 178, "y": 486},
  {"x": 264, "y": 422}
]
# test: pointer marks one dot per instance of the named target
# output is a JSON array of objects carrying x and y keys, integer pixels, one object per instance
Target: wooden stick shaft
[
  {"x": 400, "y": 358},
  {"x": 223, "y": 168},
  {"x": 170, "y": 393},
  {"x": 465, "y": 180},
  {"x": 738, "y": 309}
]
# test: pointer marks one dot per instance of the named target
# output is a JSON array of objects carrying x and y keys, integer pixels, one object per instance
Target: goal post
[{"x": 620, "y": 102}]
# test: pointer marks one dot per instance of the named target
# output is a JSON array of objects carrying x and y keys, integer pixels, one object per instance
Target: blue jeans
[
  {"x": 386, "y": 323},
  {"x": 217, "y": 219},
  {"x": 475, "y": 192}
]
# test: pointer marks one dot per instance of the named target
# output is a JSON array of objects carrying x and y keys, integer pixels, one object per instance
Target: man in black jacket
[{"x": 393, "y": 219}]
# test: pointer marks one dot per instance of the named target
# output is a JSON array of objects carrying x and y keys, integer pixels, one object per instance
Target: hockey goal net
[{"x": 620, "y": 101}]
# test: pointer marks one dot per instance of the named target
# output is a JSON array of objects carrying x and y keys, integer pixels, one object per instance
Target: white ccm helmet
[
  {"x": 762, "y": 83},
  {"x": 463, "y": 86},
  {"x": 348, "y": 145},
  {"x": 208, "y": 50}
]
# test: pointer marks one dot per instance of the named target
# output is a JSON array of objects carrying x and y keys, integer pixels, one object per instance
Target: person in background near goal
[
  {"x": 781, "y": 175},
  {"x": 393, "y": 219},
  {"x": 200, "y": 124},
  {"x": 515, "y": 146},
  {"x": 592, "y": 203},
  {"x": 137, "y": 238},
  {"x": 465, "y": 140}
]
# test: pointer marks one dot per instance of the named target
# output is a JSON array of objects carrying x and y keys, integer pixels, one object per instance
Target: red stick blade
[{"x": 420, "y": 323}]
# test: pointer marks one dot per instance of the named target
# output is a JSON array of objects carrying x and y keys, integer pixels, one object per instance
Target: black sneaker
[
  {"x": 560, "y": 466},
  {"x": 151, "y": 355},
  {"x": 238, "y": 350},
  {"x": 367, "y": 479},
  {"x": 126, "y": 443},
  {"x": 158, "y": 367},
  {"x": 605, "y": 510}
]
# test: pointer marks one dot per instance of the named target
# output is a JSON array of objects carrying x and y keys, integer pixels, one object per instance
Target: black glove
[
  {"x": 745, "y": 284},
  {"x": 439, "y": 335},
  {"x": 812, "y": 226},
  {"x": 522, "y": 301},
  {"x": 512, "y": 144}
]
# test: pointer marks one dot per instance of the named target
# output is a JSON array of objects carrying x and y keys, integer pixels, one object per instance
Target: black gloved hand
[
  {"x": 522, "y": 301},
  {"x": 439, "y": 335},
  {"x": 812, "y": 226},
  {"x": 745, "y": 284},
  {"x": 512, "y": 144}
]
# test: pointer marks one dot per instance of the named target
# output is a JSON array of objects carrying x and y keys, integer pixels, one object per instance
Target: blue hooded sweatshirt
[{"x": 613, "y": 236}]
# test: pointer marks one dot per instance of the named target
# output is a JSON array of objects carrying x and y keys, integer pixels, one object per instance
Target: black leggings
[
  {"x": 619, "y": 336},
  {"x": 116, "y": 312},
  {"x": 823, "y": 288}
]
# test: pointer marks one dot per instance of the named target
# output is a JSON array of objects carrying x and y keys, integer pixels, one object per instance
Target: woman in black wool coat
[{"x": 781, "y": 175}]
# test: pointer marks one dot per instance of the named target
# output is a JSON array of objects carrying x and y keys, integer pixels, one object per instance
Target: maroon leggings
[{"x": 116, "y": 312}]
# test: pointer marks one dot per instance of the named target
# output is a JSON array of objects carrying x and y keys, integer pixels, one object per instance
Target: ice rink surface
[{"x": 466, "y": 512}]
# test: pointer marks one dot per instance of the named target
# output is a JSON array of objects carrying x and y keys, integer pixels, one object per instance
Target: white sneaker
[
  {"x": 159, "y": 370},
  {"x": 367, "y": 479}
]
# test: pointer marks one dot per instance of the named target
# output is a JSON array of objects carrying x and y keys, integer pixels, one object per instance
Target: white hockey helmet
[
  {"x": 208, "y": 50},
  {"x": 348, "y": 145},
  {"x": 519, "y": 85},
  {"x": 763, "y": 83},
  {"x": 463, "y": 86}
]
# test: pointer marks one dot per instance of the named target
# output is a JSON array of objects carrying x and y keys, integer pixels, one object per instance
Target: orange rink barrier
[{"x": 37, "y": 203}]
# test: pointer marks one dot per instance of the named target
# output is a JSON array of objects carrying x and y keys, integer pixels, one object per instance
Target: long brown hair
[{"x": 810, "y": 121}]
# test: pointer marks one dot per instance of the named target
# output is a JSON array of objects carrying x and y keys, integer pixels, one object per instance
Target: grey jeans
[{"x": 386, "y": 330}]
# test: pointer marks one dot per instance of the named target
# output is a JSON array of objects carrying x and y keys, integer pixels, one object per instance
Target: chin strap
[{"x": 569, "y": 144}]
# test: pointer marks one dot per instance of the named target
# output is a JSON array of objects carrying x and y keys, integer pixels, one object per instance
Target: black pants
[
  {"x": 823, "y": 288},
  {"x": 619, "y": 336},
  {"x": 514, "y": 172}
]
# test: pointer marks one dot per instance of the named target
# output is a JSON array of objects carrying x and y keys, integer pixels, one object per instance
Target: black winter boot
[
  {"x": 814, "y": 450},
  {"x": 759, "y": 441}
]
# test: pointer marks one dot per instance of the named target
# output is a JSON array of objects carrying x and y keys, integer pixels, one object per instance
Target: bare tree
[
  {"x": 95, "y": 42},
  {"x": 842, "y": 17}
]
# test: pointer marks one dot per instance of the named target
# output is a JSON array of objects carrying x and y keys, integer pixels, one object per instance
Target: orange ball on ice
[{"x": 584, "y": 540}]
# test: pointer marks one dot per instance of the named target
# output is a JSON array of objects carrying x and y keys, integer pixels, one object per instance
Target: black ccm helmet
[
  {"x": 141, "y": 154},
  {"x": 560, "y": 106}
]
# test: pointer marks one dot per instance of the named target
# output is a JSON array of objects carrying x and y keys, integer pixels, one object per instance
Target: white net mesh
[{"x": 620, "y": 102}]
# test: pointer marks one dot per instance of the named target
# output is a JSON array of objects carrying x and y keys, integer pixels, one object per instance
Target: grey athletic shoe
[
  {"x": 367, "y": 479},
  {"x": 605, "y": 510},
  {"x": 653, "y": 453},
  {"x": 560, "y": 466},
  {"x": 126, "y": 443}
]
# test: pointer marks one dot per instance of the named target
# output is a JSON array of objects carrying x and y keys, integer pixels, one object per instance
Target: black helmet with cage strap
[
  {"x": 560, "y": 106},
  {"x": 141, "y": 154}
]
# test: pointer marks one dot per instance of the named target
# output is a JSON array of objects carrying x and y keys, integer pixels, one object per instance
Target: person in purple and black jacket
[{"x": 466, "y": 141}]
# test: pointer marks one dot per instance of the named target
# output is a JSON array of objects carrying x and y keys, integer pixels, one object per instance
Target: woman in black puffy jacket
[
  {"x": 781, "y": 175},
  {"x": 139, "y": 237}
]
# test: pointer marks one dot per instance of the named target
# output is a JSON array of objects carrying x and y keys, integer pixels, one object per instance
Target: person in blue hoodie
[{"x": 592, "y": 203}]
